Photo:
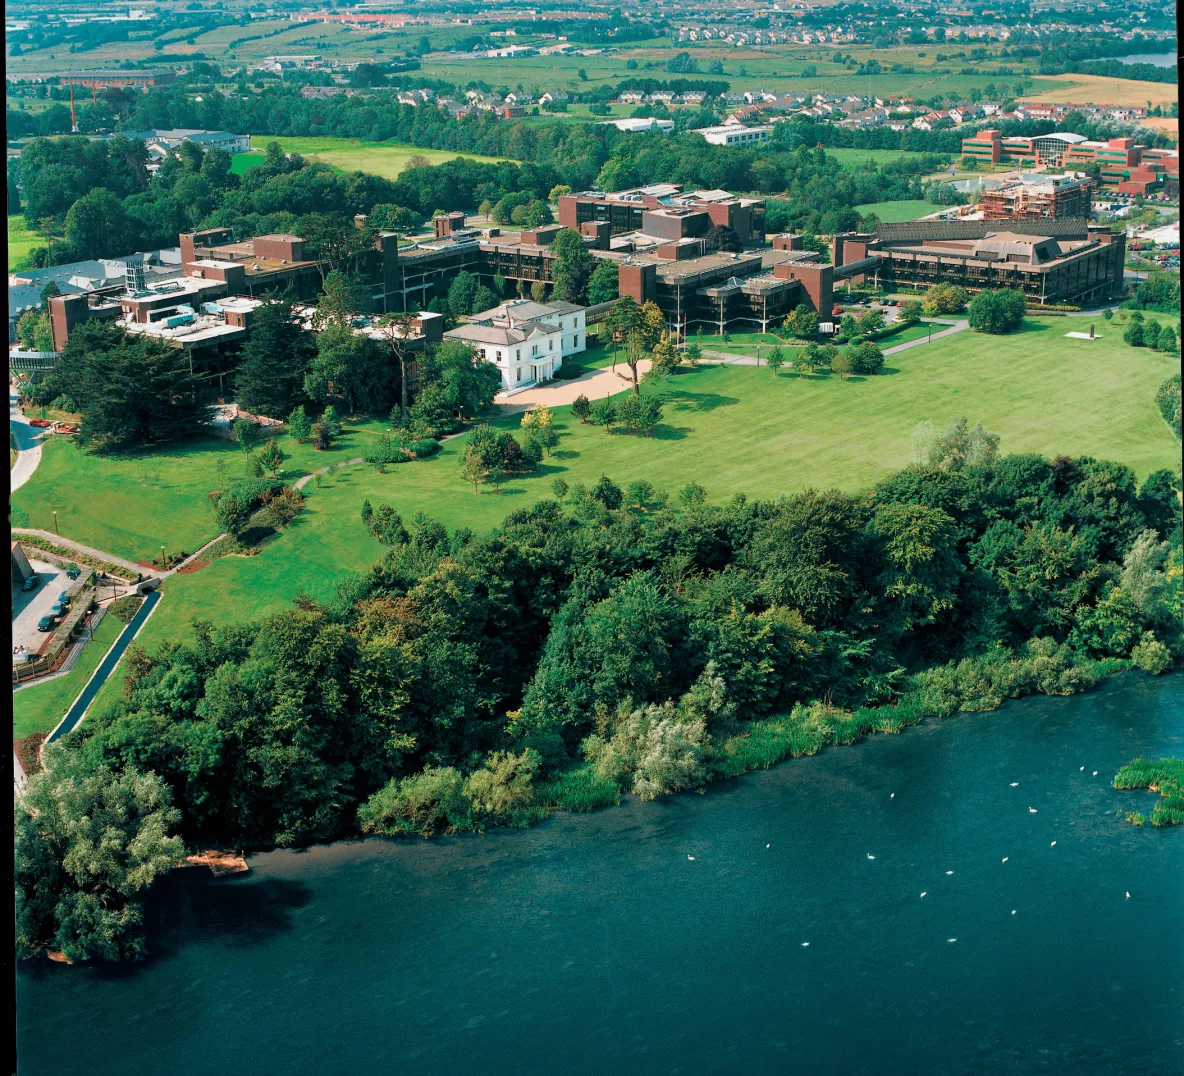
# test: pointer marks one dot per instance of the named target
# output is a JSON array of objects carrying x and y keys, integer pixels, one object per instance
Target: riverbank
[{"x": 593, "y": 943}]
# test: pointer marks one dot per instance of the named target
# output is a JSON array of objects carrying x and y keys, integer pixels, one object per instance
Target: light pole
[
  {"x": 163, "y": 562},
  {"x": 55, "y": 525}
]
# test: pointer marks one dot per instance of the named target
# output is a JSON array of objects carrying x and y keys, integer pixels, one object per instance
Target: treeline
[
  {"x": 1117, "y": 69},
  {"x": 97, "y": 199},
  {"x": 605, "y": 644}
]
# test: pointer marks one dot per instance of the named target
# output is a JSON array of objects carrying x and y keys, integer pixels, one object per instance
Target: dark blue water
[{"x": 593, "y": 944}]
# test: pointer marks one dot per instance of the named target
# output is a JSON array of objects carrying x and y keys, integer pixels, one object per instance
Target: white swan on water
[
  {"x": 926, "y": 891},
  {"x": 870, "y": 856},
  {"x": 805, "y": 945},
  {"x": 1006, "y": 858},
  {"x": 1015, "y": 784},
  {"x": 1031, "y": 810},
  {"x": 1053, "y": 845},
  {"x": 691, "y": 858},
  {"x": 1128, "y": 895},
  {"x": 949, "y": 872},
  {"x": 951, "y": 939}
]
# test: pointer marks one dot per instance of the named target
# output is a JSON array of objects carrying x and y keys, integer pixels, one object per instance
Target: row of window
[{"x": 534, "y": 350}]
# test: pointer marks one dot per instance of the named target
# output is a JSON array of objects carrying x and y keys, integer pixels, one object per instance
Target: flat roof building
[{"x": 1053, "y": 262}]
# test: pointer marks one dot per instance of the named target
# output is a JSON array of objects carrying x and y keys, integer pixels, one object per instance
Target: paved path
[
  {"x": 106, "y": 667},
  {"x": 954, "y": 327},
  {"x": 69, "y": 543},
  {"x": 594, "y": 384},
  {"x": 28, "y": 444},
  {"x": 300, "y": 483}
]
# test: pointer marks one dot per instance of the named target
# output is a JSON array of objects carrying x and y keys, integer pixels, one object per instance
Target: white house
[{"x": 527, "y": 341}]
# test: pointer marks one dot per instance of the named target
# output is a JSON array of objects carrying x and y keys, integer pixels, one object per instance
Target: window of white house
[
  {"x": 576, "y": 340},
  {"x": 550, "y": 345},
  {"x": 518, "y": 353},
  {"x": 483, "y": 353},
  {"x": 519, "y": 373}
]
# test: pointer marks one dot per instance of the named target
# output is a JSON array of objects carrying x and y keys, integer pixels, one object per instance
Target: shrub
[
  {"x": 125, "y": 608},
  {"x": 502, "y": 791},
  {"x": 944, "y": 299},
  {"x": 997, "y": 311},
  {"x": 569, "y": 371},
  {"x": 866, "y": 359},
  {"x": 1150, "y": 655},
  {"x": 421, "y": 450},
  {"x": 1167, "y": 398},
  {"x": 422, "y": 803},
  {"x": 63, "y": 403}
]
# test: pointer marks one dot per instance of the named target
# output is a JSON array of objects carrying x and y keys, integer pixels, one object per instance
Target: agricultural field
[
  {"x": 1082, "y": 89},
  {"x": 20, "y": 241},
  {"x": 734, "y": 428},
  {"x": 386, "y": 159}
]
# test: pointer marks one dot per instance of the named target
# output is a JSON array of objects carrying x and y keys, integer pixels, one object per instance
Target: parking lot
[{"x": 30, "y": 606}]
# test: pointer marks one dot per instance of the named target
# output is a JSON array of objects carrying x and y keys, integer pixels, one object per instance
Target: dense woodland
[{"x": 608, "y": 643}]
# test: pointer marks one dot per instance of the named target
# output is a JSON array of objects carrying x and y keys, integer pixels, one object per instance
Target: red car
[{"x": 40, "y": 422}]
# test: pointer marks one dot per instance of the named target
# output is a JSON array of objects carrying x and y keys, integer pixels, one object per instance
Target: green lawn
[
  {"x": 20, "y": 241},
  {"x": 385, "y": 159},
  {"x": 131, "y": 504},
  {"x": 39, "y": 707},
  {"x": 731, "y": 428},
  {"x": 853, "y": 158},
  {"x": 899, "y": 212}
]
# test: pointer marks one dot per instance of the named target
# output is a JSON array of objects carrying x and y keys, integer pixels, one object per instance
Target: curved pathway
[{"x": 28, "y": 444}]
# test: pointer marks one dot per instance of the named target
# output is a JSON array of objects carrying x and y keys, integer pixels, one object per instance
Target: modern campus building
[
  {"x": 1053, "y": 262},
  {"x": 734, "y": 134},
  {"x": 1125, "y": 166},
  {"x": 633, "y": 211}
]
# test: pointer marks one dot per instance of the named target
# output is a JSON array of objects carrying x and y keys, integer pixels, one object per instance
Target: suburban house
[{"x": 527, "y": 341}]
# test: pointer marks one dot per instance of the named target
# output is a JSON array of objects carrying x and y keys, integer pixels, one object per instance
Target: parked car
[
  {"x": 60, "y": 609},
  {"x": 40, "y": 423},
  {"x": 32, "y": 583},
  {"x": 46, "y": 623},
  {"x": 64, "y": 598},
  {"x": 73, "y": 573},
  {"x": 890, "y": 302}
]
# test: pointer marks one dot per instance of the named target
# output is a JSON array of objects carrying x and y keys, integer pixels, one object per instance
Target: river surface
[
  {"x": 1158, "y": 59},
  {"x": 597, "y": 944}
]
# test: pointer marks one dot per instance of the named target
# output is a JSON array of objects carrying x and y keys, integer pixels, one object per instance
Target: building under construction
[{"x": 1037, "y": 197}]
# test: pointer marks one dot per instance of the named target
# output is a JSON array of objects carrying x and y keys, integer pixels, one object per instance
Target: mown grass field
[
  {"x": 20, "y": 241},
  {"x": 854, "y": 158},
  {"x": 730, "y": 428},
  {"x": 132, "y": 504},
  {"x": 39, "y": 707},
  {"x": 899, "y": 212},
  {"x": 385, "y": 159}
]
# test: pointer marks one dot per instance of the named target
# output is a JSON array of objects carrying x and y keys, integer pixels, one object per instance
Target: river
[
  {"x": 1157, "y": 59},
  {"x": 596, "y": 943}
]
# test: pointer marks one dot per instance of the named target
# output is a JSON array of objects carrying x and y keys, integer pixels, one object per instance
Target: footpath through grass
[
  {"x": 134, "y": 503},
  {"x": 385, "y": 159},
  {"x": 39, "y": 707}
]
